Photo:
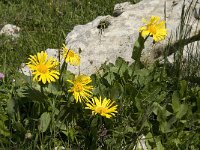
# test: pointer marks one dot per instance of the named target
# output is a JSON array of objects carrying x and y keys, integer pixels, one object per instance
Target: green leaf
[
  {"x": 116, "y": 91},
  {"x": 183, "y": 88},
  {"x": 34, "y": 95},
  {"x": 67, "y": 75},
  {"x": 175, "y": 101},
  {"x": 52, "y": 88},
  {"x": 161, "y": 112},
  {"x": 159, "y": 145},
  {"x": 10, "y": 106},
  {"x": 121, "y": 65},
  {"x": 113, "y": 69},
  {"x": 3, "y": 129},
  {"x": 94, "y": 122},
  {"x": 129, "y": 129},
  {"x": 165, "y": 127},
  {"x": 72, "y": 133},
  {"x": 19, "y": 127},
  {"x": 182, "y": 111},
  {"x": 138, "y": 47},
  {"x": 110, "y": 77},
  {"x": 149, "y": 139},
  {"x": 142, "y": 72},
  {"x": 61, "y": 125},
  {"x": 44, "y": 121},
  {"x": 138, "y": 103}
]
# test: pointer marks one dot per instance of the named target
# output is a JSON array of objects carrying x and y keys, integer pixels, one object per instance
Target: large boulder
[{"x": 108, "y": 37}]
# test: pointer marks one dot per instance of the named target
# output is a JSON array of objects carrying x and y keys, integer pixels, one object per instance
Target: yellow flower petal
[
  {"x": 81, "y": 91},
  {"x": 43, "y": 69},
  {"x": 70, "y": 56},
  {"x": 104, "y": 107},
  {"x": 154, "y": 28}
]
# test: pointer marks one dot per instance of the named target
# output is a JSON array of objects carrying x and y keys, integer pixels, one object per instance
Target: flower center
[
  {"x": 78, "y": 87},
  {"x": 70, "y": 54},
  {"x": 42, "y": 68},
  {"x": 101, "y": 110},
  {"x": 152, "y": 29}
]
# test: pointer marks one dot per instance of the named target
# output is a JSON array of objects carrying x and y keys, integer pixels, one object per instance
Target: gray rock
[
  {"x": 25, "y": 70},
  {"x": 120, "y": 8},
  {"x": 106, "y": 37},
  {"x": 10, "y": 30},
  {"x": 100, "y": 43}
]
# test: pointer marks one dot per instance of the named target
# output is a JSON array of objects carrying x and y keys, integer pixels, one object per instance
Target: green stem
[{"x": 41, "y": 89}]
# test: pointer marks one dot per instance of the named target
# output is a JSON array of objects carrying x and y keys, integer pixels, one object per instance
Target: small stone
[
  {"x": 25, "y": 70},
  {"x": 28, "y": 136},
  {"x": 10, "y": 30},
  {"x": 2, "y": 76}
]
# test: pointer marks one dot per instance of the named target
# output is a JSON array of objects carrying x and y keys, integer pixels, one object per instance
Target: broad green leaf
[
  {"x": 149, "y": 139},
  {"x": 182, "y": 111},
  {"x": 130, "y": 90},
  {"x": 165, "y": 127},
  {"x": 138, "y": 47},
  {"x": 121, "y": 65},
  {"x": 3, "y": 117},
  {"x": 183, "y": 88},
  {"x": 113, "y": 69},
  {"x": 94, "y": 122},
  {"x": 172, "y": 120},
  {"x": 44, "y": 121},
  {"x": 159, "y": 146},
  {"x": 175, "y": 101},
  {"x": 67, "y": 75},
  {"x": 72, "y": 133},
  {"x": 142, "y": 72},
  {"x": 119, "y": 61},
  {"x": 61, "y": 125},
  {"x": 10, "y": 106},
  {"x": 116, "y": 90},
  {"x": 110, "y": 77},
  {"x": 34, "y": 95},
  {"x": 138, "y": 103},
  {"x": 53, "y": 88},
  {"x": 161, "y": 112},
  {"x": 22, "y": 79}
]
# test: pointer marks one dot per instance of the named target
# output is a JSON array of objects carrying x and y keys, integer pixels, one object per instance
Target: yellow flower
[
  {"x": 70, "y": 56},
  {"x": 81, "y": 91},
  {"x": 43, "y": 69},
  {"x": 103, "y": 107},
  {"x": 155, "y": 28}
]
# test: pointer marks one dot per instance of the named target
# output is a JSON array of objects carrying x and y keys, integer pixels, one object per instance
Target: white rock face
[
  {"x": 118, "y": 37},
  {"x": 10, "y": 30}
]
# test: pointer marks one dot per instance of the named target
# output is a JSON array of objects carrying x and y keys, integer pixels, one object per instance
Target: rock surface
[
  {"x": 108, "y": 37},
  {"x": 100, "y": 43},
  {"x": 10, "y": 30}
]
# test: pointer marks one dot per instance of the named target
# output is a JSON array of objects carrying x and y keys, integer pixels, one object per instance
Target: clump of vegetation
[{"x": 122, "y": 106}]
